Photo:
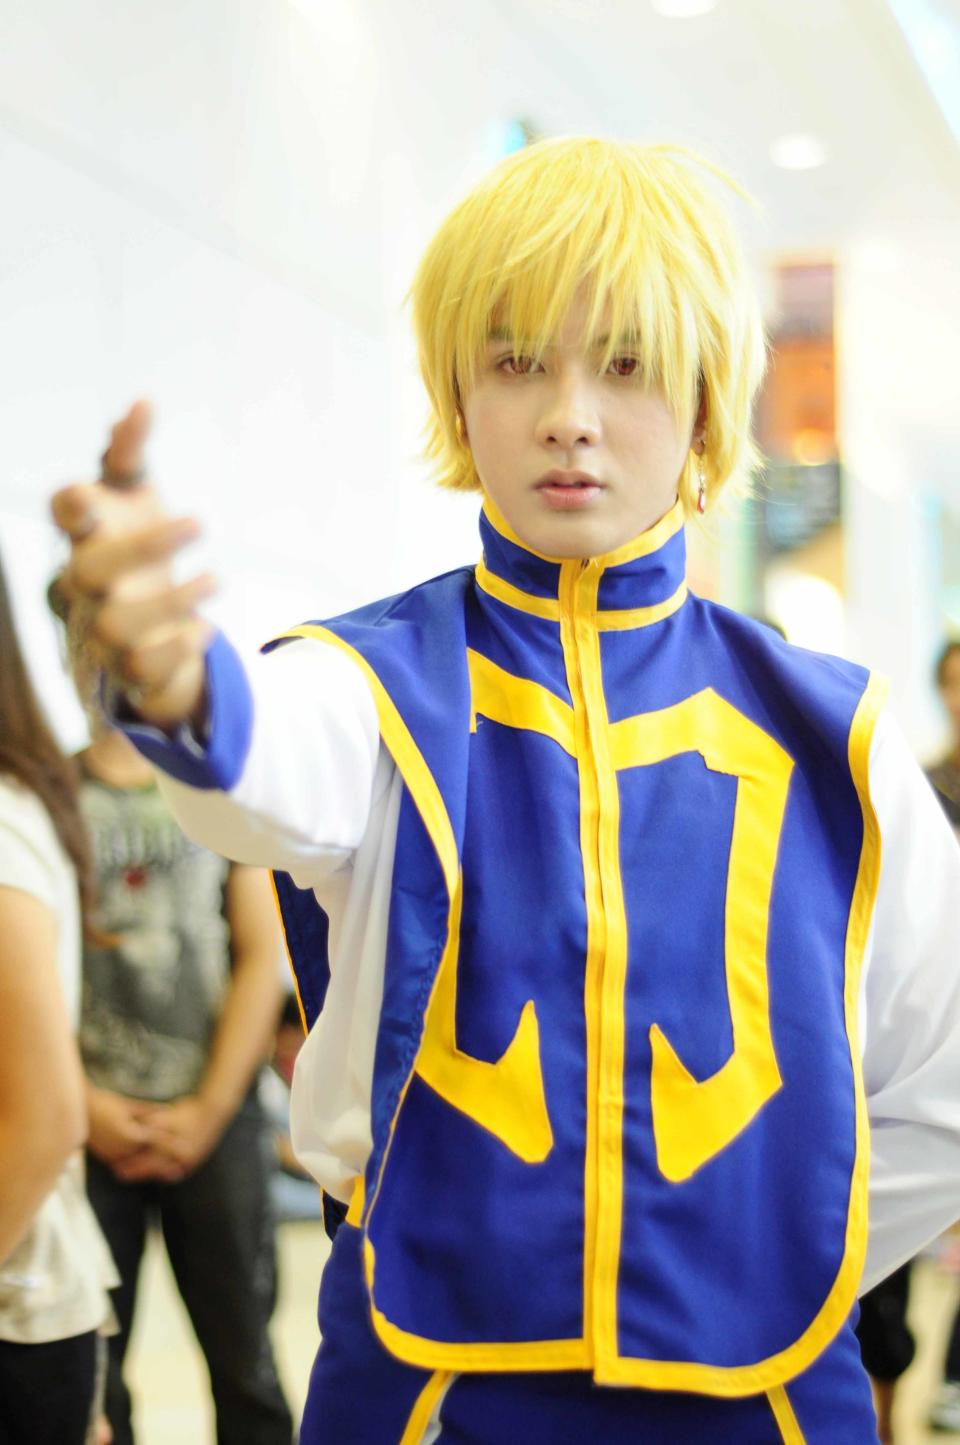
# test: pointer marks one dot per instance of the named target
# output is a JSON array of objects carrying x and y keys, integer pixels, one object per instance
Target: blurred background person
[
  {"x": 295, "y": 1193},
  {"x": 945, "y": 773},
  {"x": 179, "y": 1010},
  {"x": 54, "y": 1264},
  {"x": 945, "y": 777},
  {"x": 887, "y": 1342}
]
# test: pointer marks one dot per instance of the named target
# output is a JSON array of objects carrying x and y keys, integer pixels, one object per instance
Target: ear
[{"x": 698, "y": 434}]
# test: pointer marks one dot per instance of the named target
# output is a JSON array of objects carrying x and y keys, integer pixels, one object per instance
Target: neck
[
  {"x": 635, "y": 585},
  {"x": 113, "y": 759}
]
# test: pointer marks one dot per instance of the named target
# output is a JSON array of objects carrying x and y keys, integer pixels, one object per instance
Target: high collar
[{"x": 640, "y": 583}]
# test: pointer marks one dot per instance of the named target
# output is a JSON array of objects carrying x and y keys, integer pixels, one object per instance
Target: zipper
[
  {"x": 605, "y": 975},
  {"x": 573, "y": 586}
]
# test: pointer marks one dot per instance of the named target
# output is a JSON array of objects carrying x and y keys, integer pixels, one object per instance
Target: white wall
[{"x": 195, "y": 211}]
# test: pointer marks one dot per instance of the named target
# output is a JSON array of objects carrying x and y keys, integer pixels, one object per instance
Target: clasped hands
[{"x": 140, "y": 1140}]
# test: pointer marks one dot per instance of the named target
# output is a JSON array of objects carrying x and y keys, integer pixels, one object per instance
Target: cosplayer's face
[{"x": 526, "y": 420}]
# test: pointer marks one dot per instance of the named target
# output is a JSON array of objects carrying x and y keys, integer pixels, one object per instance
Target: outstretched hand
[{"x": 125, "y": 612}]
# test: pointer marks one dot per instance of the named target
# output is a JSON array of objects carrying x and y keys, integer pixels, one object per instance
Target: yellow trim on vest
[
  {"x": 776, "y": 1369},
  {"x": 570, "y": 576},
  {"x": 626, "y": 619},
  {"x": 405, "y": 754},
  {"x": 426, "y": 1353},
  {"x": 613, "y": 620},
  {"x": 516, "y": 702},
  {"x": 640, "y": 546},
  {"x": 286, "y": 946},
  {"x": 647, "y": 542},
  {"x": 506, "y": 1097},
  {"x": 430, "y": 1354},
  {"x": 505, "y": 592},
  {"x": 605, "y": 974},
  {"x": 605, "y": 983},
  {"x": 355, "y": 1208},
  {"x": 694, "y": 1119},
  {"x": 500, "y": 524},
  {"x": 784, "y": 1415},
  {"x": 426, "y": 1403},
  {"x": 426, "y": 796}
]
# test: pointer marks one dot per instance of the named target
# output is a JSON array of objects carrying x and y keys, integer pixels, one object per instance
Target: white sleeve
[
  {"x": 910, "y": 1013},
  {"x": 303, "y": 798}
]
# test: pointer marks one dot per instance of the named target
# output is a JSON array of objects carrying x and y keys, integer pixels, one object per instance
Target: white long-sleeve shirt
[{"x": 318, "y": 796}]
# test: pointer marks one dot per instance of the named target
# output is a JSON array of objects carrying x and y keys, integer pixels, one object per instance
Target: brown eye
[
  {"x": 517, "y": 365},
  {"x": 625, "y": 365}
]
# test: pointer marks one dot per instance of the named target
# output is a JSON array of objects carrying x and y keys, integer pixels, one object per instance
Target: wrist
[{"x": 218, "y": 1106}]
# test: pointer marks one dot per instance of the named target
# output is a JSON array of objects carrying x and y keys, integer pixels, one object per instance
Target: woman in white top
[{"x": 54, "y": 1265}]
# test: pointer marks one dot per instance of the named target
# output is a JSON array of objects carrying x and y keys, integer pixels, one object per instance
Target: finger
[
  {"x": 164, "y": 1130},
  {"x": 129, "y": 1155},
  {"x": 124, "y": 457},
  {"x": 74, "y": 510},
  {"x": 98, "y": 563},
  {"x": 172, "y": 1153},
  {"x": 148, "y": 1165},
  {"x": 123, "y": 622},
  {"x": 135, "y": 1135},
  {"x": 143, "y": 1111},
  {"x": 150, "y": 1112}
]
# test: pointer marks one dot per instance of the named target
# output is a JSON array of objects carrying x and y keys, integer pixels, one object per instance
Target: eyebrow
[{"x": 503, "y": 333}]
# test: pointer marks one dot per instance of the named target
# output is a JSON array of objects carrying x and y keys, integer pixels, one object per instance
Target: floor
[{"x": 168, "y": 1376}]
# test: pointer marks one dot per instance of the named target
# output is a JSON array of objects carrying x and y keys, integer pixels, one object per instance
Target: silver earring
[{"x": 701, "y": 488}]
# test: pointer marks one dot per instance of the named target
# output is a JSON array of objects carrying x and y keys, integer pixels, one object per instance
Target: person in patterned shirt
[{"x": 181, "y": 994}]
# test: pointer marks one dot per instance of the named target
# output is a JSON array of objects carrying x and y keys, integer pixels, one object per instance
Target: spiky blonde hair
[{"x": 642, "y": 229}]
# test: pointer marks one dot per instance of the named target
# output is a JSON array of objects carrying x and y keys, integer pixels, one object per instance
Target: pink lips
[{"x": 569, "y": 491}]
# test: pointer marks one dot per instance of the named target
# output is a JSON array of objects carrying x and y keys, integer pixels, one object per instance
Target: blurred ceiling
[
  {"x": 735, "y": 79},
  {"x": 321, "y": 140}
]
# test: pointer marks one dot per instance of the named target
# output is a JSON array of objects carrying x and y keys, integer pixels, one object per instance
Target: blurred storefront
[{"x": 850, "y": 541}]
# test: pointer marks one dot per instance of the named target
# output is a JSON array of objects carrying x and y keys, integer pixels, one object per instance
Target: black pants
[
  {"x": 886, "y": 1344},
  {"x": 219, "y": 1235},
  {"x": 46, "y": 1391},
  {"x": 951, "y": 1370}
]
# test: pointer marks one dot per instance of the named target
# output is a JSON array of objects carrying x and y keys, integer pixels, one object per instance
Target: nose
[{"x": 569, "y": 417}]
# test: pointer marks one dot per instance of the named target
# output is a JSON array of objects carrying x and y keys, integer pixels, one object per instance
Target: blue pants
[{"x": 361, "y": 1394}]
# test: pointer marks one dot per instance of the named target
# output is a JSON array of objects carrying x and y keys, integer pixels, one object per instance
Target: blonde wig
[{"x": 642, "y": 229}]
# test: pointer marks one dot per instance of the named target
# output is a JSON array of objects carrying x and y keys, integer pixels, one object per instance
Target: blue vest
[{"x": 618, "y": 1118}]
